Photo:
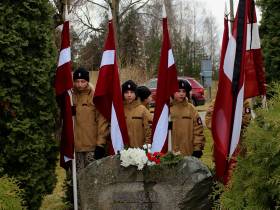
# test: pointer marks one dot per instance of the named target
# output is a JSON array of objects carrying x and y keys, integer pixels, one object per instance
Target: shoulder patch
[
  {"x": 199, "y": 121},
  {"x": 247, "y": 110}
]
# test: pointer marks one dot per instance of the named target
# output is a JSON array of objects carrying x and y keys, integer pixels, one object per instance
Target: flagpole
[
  {"x": 74, "y": 177},
  {"x": 74, "y": 169},
  {"x": 231, "y": 14}
]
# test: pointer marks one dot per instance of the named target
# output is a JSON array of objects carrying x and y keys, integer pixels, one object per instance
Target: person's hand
[
  {"x": 197, "y": 154},
  {"x": 99, "y": 152}
]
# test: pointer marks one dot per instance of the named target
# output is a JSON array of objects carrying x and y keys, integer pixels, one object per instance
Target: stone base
[{"x": 105, "y": 185}]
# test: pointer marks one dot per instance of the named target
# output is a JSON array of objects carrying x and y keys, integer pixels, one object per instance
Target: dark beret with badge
[
  {"x": 81, "y": 73},
  {"x": 129, "y": 85},
  {"x": 183, "y": 84}
]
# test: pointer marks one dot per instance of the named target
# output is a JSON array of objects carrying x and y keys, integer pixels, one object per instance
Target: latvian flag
[
  {"x": 241, "y": 76},
  {"x": 167, "y": 85},
  {"x": 63, "y": 86},
  {"x": 107, "y": 96}
]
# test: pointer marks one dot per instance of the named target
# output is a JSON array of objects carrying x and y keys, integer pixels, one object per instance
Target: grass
[
  {"x": 207, "y": 157},
  {"x": 54, "y": 201}
]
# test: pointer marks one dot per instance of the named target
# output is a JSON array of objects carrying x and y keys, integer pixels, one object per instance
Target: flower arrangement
[
  {"x": 140, "y": 157},
  {"x": 134, "y": 156}
]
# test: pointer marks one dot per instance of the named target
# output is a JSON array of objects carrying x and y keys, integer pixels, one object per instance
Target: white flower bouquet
[
  {"x": 134, "y": 156},
  {"x": 139, "y": 157}
]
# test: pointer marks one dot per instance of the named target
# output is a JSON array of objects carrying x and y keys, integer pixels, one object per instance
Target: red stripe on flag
[
  {"x": 63, "y": 85},
  {"x": 248, "y": 72},
  {"x": 167, "y": 85},
  {"x": 108, "y": 92}
]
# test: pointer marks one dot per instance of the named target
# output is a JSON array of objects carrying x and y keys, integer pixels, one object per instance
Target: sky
[{"x": 218, "y": 6}]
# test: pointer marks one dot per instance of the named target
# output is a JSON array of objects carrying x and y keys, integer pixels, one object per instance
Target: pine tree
[
  {"x": 28, "y": 150},
  {"x": 270, "y": 37}
]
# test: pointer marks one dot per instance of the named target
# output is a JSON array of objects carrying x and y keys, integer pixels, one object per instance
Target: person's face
[
  {"x": 129, "y": 96},
  {"x": 80, "y": 84},
  {"x": 148, "y": 100},
  {"x": 180, "y": 96}
]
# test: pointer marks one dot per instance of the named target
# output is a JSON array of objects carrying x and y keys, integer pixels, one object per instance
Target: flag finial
[{"x": 163, "y": 10}]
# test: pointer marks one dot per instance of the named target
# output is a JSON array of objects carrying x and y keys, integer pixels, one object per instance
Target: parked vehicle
[{"x": 197, "y": 93}]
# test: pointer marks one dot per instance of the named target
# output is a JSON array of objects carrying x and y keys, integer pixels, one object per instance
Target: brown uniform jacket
[
  {"x": 187, "y": 129},
  {"x": 91, "y": 128},
  {"x": 138, "y": 119},
  {"x": 246, "y": 115}
]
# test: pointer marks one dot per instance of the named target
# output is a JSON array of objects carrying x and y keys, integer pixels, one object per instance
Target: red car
[{"x": 197, "y": 93}]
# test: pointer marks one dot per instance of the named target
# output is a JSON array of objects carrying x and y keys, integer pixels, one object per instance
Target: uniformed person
[
  {"x": 246, "y": 115},
  {"x": 137, "y": 116},
  {"x": 187, "y": 130},
  {"x": 144, "y": 95},
  {"x": 90, "y": 127}
]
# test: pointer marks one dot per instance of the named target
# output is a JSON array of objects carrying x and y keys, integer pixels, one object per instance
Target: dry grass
[
  {"x": 54, "y": 200},
  {"x": 137, "y": 75}
]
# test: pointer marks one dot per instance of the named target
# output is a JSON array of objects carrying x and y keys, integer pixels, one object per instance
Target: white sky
[{"x": 218, "y": 6}]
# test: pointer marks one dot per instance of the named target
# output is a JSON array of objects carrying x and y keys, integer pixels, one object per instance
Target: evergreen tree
[
  {"x": 270, "y": 37},
  {"x": 255, "y": 182},
  {"x": 129, "y": 41},
  {"x": 28, "y": 150}
]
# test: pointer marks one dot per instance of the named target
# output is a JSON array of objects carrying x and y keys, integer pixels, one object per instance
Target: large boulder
[{"x": 106, "y": 185}]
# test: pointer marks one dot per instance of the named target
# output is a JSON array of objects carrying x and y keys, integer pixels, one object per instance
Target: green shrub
[
  {"x": 10, "y": 194},
  {"x": 28, "y": 150},
  {"x": 256, "y": 180}
]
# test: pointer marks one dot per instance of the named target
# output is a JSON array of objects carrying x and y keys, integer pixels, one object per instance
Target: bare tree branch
[
  {"x": 130, "y": 5},
  {"x": 100, "y": 5}
]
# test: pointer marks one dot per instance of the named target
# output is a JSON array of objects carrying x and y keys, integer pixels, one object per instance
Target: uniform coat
[
  {"x": 246, "y": 115},
  {"x": 187, "y": 129},
  {"x": 91, "y": 128},
  {"x": 138, "y": 119}
]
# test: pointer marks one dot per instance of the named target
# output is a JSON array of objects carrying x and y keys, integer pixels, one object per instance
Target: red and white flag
[
  {"x": 63, "y": 86},
  {"x": 240, "y": 65},
  {"x": 167, "y": 85},
  {"x": 107, "y": 96}
]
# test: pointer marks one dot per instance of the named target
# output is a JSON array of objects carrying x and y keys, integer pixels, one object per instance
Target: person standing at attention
[
  {"x": 137, "y": 116},
  {"x": 187, "y": 129},
  {"x": 144, "y": 94},
  {"x": 90, "y": 127}
]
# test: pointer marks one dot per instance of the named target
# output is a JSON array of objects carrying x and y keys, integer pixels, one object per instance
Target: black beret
[
  {"x": 129, "y": 85},
  {"x": 81, "y": 73},
  {"x": 143, "y": 92},
  {"x": 183, "y": 84}
]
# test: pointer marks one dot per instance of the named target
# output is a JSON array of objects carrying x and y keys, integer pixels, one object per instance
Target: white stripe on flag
[
  {"x": 64, "y": 56},
  {"x": 116, "y": 136},
  {"x": 161, "y": 130},
  {"x": 108, "y": 58},
  {"x": 170, "y": 58},
  {"x": 255, "y": 37},
  {"x": 237, "y": 121},
  {"x": 229, "y": 58},
  {"x": 66, "y": 159}
]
